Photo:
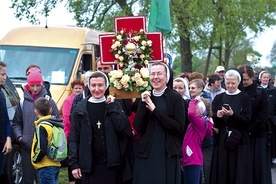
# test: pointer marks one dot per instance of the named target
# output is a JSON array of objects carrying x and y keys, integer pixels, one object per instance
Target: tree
[{"x": 215, "y": 28}]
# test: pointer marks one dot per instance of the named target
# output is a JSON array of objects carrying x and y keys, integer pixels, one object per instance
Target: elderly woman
[
  {"x": 231, "y": 162},
  {"x": 160, "y": 119}
]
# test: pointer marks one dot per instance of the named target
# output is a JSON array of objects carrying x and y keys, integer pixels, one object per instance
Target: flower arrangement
[
  {"x": 130, "y": 49},
  {"x": 127, "y": 80},
  {"x": 132, "y": 52}
]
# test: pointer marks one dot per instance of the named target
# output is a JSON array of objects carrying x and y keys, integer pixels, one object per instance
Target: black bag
[{"x": 232, "y": 141}]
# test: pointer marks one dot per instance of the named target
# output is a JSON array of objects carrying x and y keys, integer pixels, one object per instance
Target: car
[{"x": 12, "y": 172}]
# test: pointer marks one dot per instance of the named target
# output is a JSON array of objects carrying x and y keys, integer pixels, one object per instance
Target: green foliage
[
  {"x": 29, "y": 9},
  {"x": 220, "y": 25}
]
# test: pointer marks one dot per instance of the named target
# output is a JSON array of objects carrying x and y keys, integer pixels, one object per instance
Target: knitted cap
[
  {"x": 33, "y": 70},
  {"x": 34, "y": 78}
]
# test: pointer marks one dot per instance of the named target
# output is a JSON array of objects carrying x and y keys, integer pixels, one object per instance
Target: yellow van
[{"x": 63, "y": 54}]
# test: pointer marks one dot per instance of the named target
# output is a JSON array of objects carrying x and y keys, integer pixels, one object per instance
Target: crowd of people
[{"x": 188, "y": 129}]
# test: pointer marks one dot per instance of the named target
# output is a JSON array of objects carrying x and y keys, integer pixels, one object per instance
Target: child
[
  {"x": 200, "y": 126},
  {"x": 47, "y": 169}
]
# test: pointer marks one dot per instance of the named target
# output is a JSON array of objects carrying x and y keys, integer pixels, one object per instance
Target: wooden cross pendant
[{"x": 99, "y": 124}]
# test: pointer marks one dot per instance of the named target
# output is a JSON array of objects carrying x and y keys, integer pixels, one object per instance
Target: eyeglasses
[
  {"x": 158, "y": 74},
  {"x": 192, "y": 88}
]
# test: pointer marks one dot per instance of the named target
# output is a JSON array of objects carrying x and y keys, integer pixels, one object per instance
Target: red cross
[{"x": 132, "y": 23}]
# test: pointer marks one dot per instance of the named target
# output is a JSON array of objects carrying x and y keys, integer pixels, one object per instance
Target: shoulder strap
[{"x": 21, "y": 103}]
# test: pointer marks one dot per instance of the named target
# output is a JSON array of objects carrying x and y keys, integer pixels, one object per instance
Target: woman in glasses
[{"x": 160, "y": 119}]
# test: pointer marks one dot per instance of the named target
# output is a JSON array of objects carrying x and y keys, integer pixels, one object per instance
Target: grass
[{"x": 63, "y": 175}]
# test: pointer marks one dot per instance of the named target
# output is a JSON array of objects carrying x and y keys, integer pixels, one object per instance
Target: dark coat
[
  {"x": 117, "y": 135},
  {"x": 258, "y": 134},
  {"x": 173, "y": 123},
  {"x": 23, "y": 121},
  {"x": 271, "y": 90},
  {"x": 259, "y": 102},
  {"x": 5, "y": 127},
  {"x": 232, "y": 165}
]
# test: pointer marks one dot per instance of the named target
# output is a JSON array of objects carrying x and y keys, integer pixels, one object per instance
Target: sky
[{"x": 59, "y": 16}]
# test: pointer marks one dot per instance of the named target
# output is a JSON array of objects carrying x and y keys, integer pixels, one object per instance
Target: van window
[{"x": 56, "y": 63}]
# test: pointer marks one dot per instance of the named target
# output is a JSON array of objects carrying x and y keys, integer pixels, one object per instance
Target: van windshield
[{"x": 56, "y": 63}]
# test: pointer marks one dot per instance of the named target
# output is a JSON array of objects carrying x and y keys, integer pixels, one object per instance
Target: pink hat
[
  {"x": 34, "y": 78},
  {"x": 33, "y": 70}
]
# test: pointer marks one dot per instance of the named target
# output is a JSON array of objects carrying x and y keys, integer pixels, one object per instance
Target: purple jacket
[{"x": 193, "y": 139}]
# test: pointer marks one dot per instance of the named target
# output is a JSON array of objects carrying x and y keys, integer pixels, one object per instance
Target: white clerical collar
[
  {"x": 264, "y": 86},
  {"x": 233, "y": 93},
  {"x": 157, "y": 94},
  {"x": 95, "y": 100}
]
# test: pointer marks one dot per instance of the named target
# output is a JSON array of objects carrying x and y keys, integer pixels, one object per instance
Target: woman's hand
[
  {"x": 110, "y": 99},
  {"x": 7, "y": 147},
  {"x": 145, "y": 95},
  {"x": 77, "y": 173},
  {"x": 150, "y": 105},
  {"x": 225, "y": 112}
]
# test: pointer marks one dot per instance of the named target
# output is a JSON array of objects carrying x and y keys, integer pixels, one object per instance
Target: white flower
[
  {"x": 139, "y": 82},
  {"x": 143, "y": 47},
  {"x": 146, "y": 62},
  {"x": 126, "y": 85},
  {"x": 121, "y": 58},
  {"x": 119, "y": 52},
  {"x": 149, "y": 42},
  {"x": 117, "y": 43},
  {"x": 122, "y": 32},
  {"x": 144, "y": 43},
  {"x": 117, "y": 56},
  {"x": 137, "y": 38},
  {"x": 121, "y": 64},
  {"x": 116, "y": 74},
  {"x": 117, "y": 85},
  {"x": 137, "y": 76},
  {"x": 113, "y": 46},
  {"x": 142, "y": 56},
  {"x": 144, "y": 72},
  {"x": 125, "y": 79},
  {"x": 145, "y": 84},
  {"x": 119, "y": 37},
  {"x": 141, "y": 30},
  {"x": 112, "y": 79}
]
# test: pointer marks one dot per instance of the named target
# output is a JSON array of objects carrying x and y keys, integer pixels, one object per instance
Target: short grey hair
[{"x": 233, "y": 73}]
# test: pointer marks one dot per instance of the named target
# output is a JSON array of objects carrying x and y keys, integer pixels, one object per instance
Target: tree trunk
[
  {"x": 227, "y": 55},
  {"x": 186, "y": 55},
  {"x": 208, "y": 60}
]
